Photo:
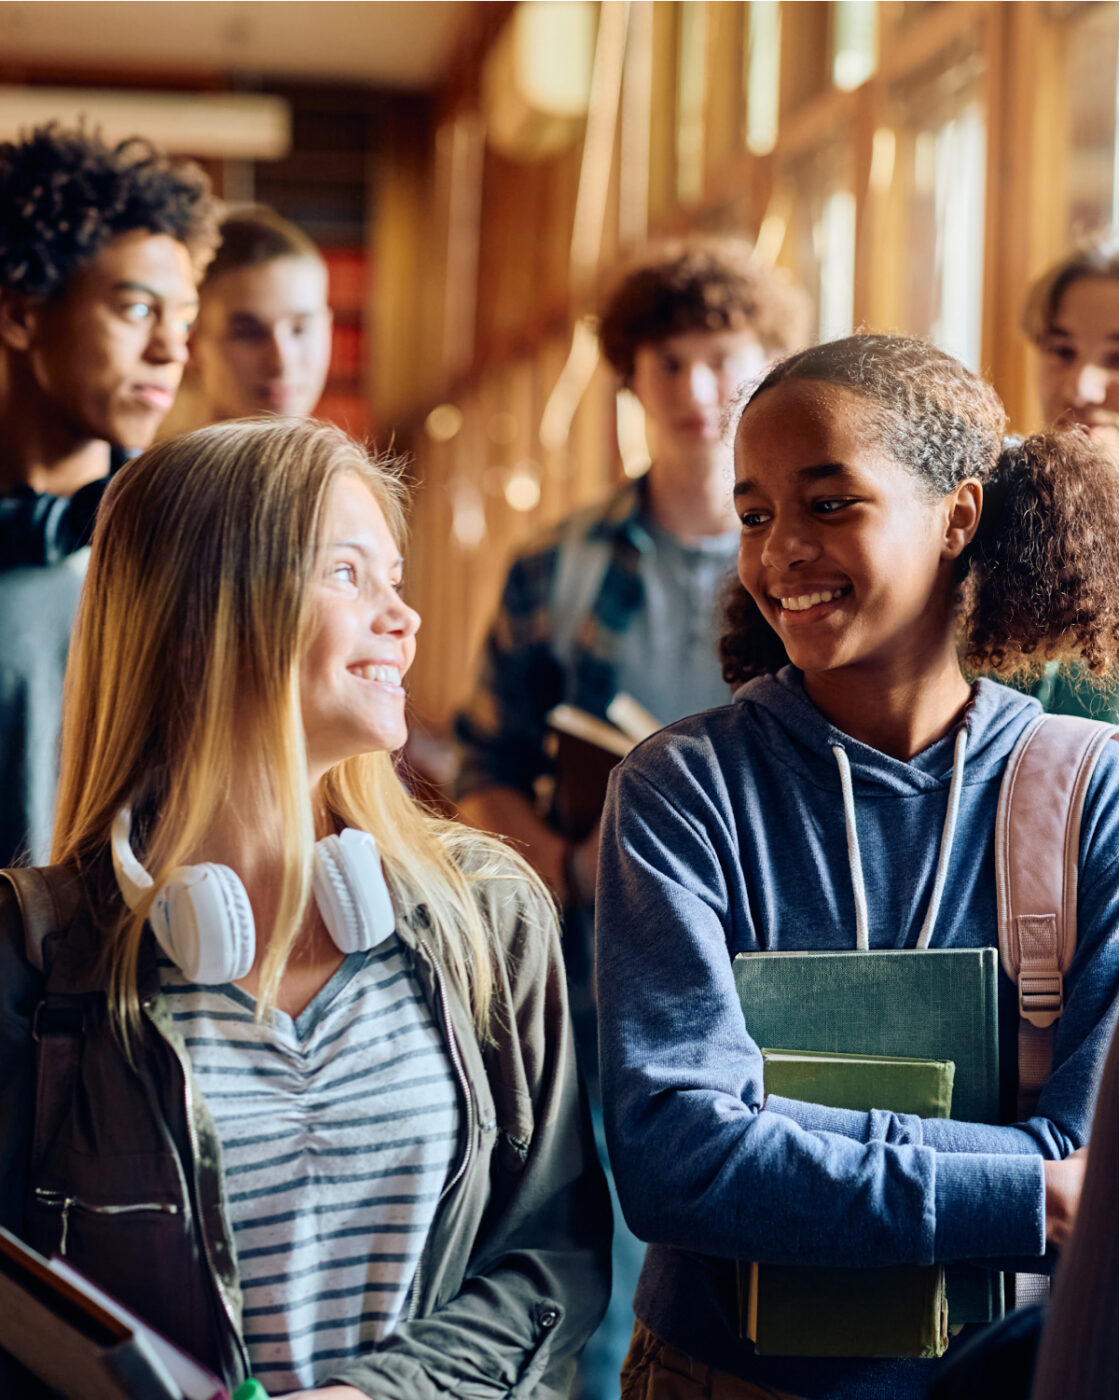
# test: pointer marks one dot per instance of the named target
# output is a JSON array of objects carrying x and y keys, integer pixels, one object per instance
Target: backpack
[{"x": 1037, "y": 851}]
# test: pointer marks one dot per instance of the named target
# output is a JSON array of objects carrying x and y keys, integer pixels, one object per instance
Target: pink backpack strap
[{"x": 1037, "y": 854}]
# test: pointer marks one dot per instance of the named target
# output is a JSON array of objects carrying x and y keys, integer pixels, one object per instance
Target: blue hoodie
[{"x": 724, "y": 834}]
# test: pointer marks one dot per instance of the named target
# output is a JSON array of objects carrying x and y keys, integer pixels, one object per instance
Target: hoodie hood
[{"x": 786, "y": 722}]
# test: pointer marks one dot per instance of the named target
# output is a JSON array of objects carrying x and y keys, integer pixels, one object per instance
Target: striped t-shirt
[{"x": 337, "y": 1132}]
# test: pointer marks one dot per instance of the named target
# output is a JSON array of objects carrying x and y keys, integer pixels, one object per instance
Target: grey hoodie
[{"x": 725, "y": 833}]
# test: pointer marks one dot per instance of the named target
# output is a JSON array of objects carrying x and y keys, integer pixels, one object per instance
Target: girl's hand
[{"x": 1063, "y": 1181}]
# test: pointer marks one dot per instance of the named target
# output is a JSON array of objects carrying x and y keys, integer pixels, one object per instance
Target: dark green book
[
  {"x": 794, "y": 1311},
  {"x": 939, "y": 1004}
]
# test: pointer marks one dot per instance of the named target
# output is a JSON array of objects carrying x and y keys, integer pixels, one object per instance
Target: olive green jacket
[{"x": 122, "y": 1170}]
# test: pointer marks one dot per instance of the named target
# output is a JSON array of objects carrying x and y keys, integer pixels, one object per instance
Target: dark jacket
[{"x": 125, "y": 1177}]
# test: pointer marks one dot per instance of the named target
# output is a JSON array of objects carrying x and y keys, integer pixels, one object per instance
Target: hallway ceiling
[{"x": 390, "y": 43}]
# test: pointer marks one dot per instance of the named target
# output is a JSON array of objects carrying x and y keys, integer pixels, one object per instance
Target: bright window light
[
  {"x": 763, "y": 74},
  {"x": 854, "y": 42}
]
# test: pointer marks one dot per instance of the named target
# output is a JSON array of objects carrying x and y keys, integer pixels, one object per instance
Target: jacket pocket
[
  {"x": 57, "y": 1205},
  {"x": 143, "y": 1252}
]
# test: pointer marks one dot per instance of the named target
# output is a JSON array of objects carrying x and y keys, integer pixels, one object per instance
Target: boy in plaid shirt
[{"x": 623, "y": 596}]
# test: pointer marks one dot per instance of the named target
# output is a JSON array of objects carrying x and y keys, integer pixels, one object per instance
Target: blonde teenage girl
[{"x": 306, "y": 1099}]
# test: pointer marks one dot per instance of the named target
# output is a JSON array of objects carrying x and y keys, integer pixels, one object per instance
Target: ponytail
[
  {"x": 1042, "y": 576},
  {"x": 1040, "y": 582}
]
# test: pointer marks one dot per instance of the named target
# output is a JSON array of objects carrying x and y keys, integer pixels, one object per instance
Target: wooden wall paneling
[
  {"x": 524, "y": 455},
  {"x": 483, "y": 566},
  {"x": 634, "y": 126},
  {"x": 1028, "y": 223},
  {"x": 997, "y": 292},
  {"x": 867, "y": 117},
  {"x": 596, "y": 466},
  {"x": 447, "y": 675},
  {"x": 662, "y": 119},
  {"x": 402, "y": 375},
  {"x": 556, "y": 462},
  {"x": 494, "y": 249},
  {"x": 886, "y": 219},
  {"x": 429, "y": 527},
  {"x": 726, "y": 93},
  {"x": 805, "y": 48},
  {"x": 921, "y": 32},
  {"x": 609, "y": 248},
  {"x": 692, "y": 80},
  {"x": 558, "y": 213}
]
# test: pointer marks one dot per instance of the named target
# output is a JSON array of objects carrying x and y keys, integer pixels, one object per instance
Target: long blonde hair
[{"x": 184, "y": 672}]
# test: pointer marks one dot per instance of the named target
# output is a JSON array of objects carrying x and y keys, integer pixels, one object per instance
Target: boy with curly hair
[
  {"x": 101, "y": 248},
  {"x": 682, "y": 328},
  {"x": 623, "y": 596}
]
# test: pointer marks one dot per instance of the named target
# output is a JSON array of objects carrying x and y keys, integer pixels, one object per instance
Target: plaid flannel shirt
[{"x": 501, "y": 731}]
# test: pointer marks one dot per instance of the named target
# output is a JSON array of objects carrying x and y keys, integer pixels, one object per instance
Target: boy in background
[
  {"x": 623, "y": 597},
  {"x": 101, "y": 248},
  {"x": 1071, "y": 315},
  {"x": 262, "y": 340}
]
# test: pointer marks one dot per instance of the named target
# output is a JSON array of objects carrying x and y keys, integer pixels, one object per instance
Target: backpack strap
[
  {"x": 48, "y": 898},
  {"x": 1037, "y": 854}
]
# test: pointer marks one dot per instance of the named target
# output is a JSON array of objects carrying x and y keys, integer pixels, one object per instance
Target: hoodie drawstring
[
  {"x": 947, "y": 837},
  {"x": 854, "y": 859}
]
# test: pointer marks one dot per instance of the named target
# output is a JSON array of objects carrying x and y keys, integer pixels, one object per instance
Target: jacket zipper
[
  {"x": 468, "y": 1099},
  {"x": 66, "y": 1204},
  {"x": 188, "y": 1100}
]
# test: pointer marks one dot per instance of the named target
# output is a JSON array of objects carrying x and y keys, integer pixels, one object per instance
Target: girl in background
[
  {"x": 324, "y": 1125},
  {"x": 867, "y": 560}
]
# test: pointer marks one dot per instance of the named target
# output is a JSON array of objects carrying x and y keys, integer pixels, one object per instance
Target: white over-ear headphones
[{"x": 203, "y": 920}]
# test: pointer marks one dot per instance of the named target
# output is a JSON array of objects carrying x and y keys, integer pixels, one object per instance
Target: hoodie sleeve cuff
[
  {"x": 989, "y": 1207},
  {"x": 896, "y": 1129}
]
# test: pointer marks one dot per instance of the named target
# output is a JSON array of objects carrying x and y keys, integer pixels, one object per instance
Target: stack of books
[{"x": 902, "y": 1030}]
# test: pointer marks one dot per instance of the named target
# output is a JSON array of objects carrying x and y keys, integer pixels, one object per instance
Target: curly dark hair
[
  {"x": 65, "y": 194},
  {"x": 1037, "y": 583},
  {"x": 699, "y": 284}
]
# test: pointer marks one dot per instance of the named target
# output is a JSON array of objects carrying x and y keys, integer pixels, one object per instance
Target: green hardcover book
[
  {"x": 906, "y": 1084},
  {"x": 940, "y": 1004},
  {"x": 937, "y": 1004},
  {"x": 791, "y": 1311}
]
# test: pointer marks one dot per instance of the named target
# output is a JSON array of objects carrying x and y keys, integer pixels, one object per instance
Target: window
[
  {"x": 763, "y": 76},
  {"x": 940, "y": 174},
  {"x": 1092, "y": 85},
  {"x": 820, "y": 246},
  {"x": 854, "y": 42}
]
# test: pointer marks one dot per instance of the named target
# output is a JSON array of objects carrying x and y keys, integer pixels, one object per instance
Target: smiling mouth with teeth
[
  {"x": 801, "y": 602},
  {"x": 387, "y": 675}
]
